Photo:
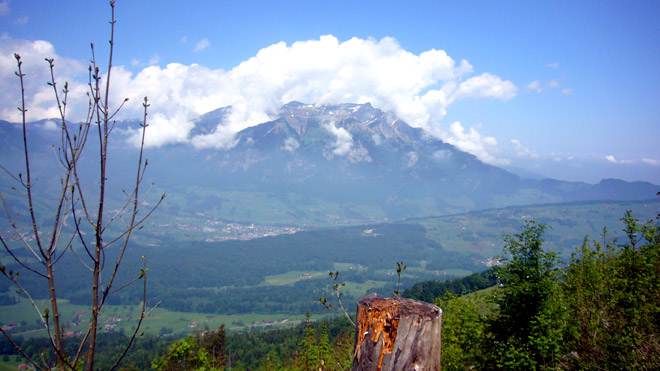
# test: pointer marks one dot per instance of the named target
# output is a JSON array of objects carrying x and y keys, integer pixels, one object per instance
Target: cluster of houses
[{"x": 112, "y": 322}]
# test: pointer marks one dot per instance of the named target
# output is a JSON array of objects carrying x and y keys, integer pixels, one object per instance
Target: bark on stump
[{"x": 397, "y": 334}]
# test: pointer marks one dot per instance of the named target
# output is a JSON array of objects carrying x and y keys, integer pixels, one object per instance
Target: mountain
[{"x": 340, "y": 164}]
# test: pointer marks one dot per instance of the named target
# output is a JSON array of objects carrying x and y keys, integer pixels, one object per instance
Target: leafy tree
[
  {"x": 200, "y": 352},
  {"x": 463, "y": 331},
  {"x": 525, "y": 332},
  {"x": 612, "y": 293},
  {"x": 78, "y": 220},
  {"x": 309, "y": 355}
]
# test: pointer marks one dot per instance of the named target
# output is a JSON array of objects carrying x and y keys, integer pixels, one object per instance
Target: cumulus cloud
[
  {"x": 39, "y": 96},
  {"x": 202, "y": 45},
  {"x": 567, "y": 91},
  {"x": 343, "y": 139},
  {"x": 418, "y": 88},
  {"x": 473, "y": 142},
  {"x": 486, "y": 86}
]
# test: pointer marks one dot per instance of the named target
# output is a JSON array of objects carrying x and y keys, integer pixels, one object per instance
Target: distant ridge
[{"x": 351, "y": 163}]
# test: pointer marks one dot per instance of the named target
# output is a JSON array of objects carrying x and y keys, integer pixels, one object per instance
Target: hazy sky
[{"x": 567, "y": 89}]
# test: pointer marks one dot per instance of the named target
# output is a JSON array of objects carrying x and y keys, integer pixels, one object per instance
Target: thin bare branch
[
  {"x": 28, "y": 173},
  {"x": 18, "y": 232},
  {"x": 10, "y": 174},
  {"x": 135, "y": 204},
  {"x": 143, "y": 275},
  {"x": 18, "y": 260},
  {"x": 138, "y": 223},
  {"x": 80, "y": 259},
  {"x": 117, "y": 110}
]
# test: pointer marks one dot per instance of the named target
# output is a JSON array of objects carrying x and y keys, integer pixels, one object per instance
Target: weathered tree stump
[{"x": 397, "y": 334}]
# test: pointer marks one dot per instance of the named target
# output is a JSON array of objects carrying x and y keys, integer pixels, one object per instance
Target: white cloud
[
  {"x": 472, "y": 142},
  {"x": 522, "y": 151},
  {"x": 416, "y": 87},
  {"x": 554, "y": 65},
  {"x": 412, "y": 159},
  {"x": 343, "y": 139},
  {"x": 567, "y": 91},
  {"x": 613, "y": 160},
  {"x": 442, "y": 155},
  {"x": 50, "y": 125},
  {"x": 535, "y": 86},
  {"x": 359, "y": 154},
  {"x": 651, "y": 161},
  {"x": 202, "y": 45},
  {"x": 39, "y": 96},
  {"x": 486, "y": 86},
  {"x": 290, "y": 144},
  {"x": 539, "y": 86}
]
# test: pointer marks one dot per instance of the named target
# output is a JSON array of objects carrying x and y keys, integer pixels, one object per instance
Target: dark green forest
[{"x": 224, "y": 277}]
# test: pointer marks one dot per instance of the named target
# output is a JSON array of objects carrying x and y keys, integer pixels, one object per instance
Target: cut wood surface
[{"x": 397, "y": 334}]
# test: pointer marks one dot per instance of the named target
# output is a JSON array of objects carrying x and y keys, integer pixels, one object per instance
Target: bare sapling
[{"x": 79, "y": 222}]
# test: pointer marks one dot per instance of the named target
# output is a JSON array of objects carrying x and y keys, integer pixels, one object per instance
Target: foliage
[
  {"x": 524, "y": 332},
  {"x": 400, "y": 267},
  {"x": 336, "y": 287},
  {"x": 601, "y": 311},
  {"x": 200, "y": 352},
  {"x": 613, "y": 297},
  {"x": 463, "y": 330},
  {"x": 290, "y": 349}
]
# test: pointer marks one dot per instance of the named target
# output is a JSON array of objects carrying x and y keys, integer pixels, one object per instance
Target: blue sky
[{"x": 566, "y": 89}]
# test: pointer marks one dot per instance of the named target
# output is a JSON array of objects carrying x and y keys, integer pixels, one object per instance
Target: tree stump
[{"x": 397, "y": 334}]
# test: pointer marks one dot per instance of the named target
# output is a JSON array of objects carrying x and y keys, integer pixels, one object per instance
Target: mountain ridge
[{"x": 348, "y": 161}]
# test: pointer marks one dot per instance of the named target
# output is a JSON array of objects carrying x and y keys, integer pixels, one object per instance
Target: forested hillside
[{"x": 601, "y": 311}]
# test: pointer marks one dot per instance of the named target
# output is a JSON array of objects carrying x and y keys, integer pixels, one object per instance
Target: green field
[
  {"x": 291, "y": 277},
  {"x": 158, "y": 322}
]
